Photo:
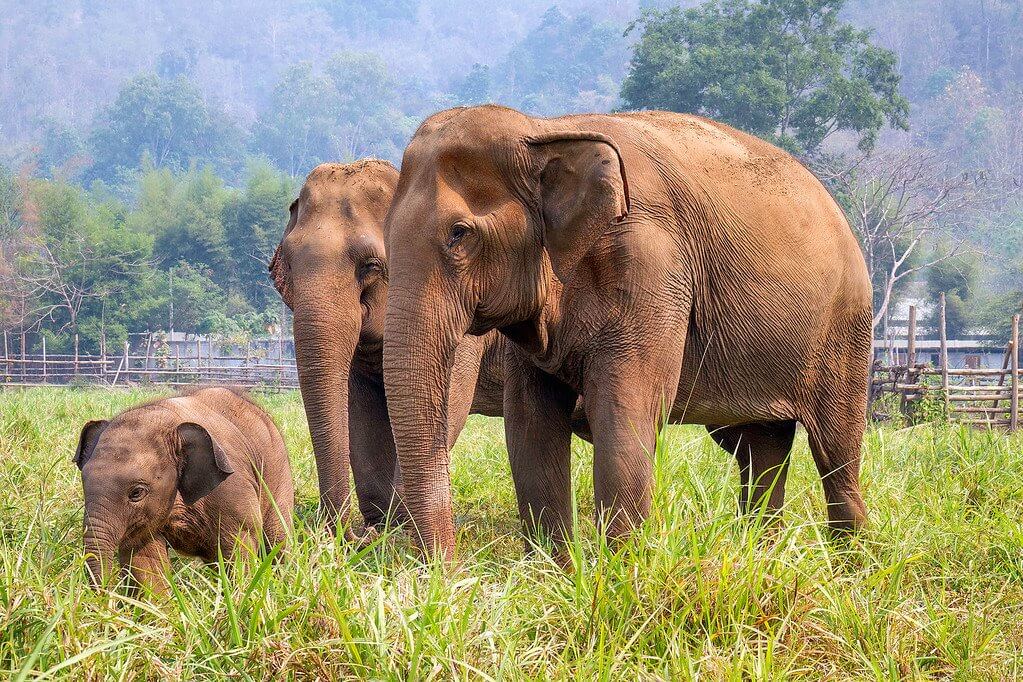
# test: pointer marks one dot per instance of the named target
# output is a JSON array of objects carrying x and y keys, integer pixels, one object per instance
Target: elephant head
[
  {"x": 493, "y": 210},
  {"x": 330, "y": 269},
  {"x": 133, "y": 469}
]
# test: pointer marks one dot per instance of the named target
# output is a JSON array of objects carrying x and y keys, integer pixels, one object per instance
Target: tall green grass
[{"x": 933, "y": 589}]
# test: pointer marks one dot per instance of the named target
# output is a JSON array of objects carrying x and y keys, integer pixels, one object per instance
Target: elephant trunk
[
  {"x": 420, "y": 340},
  {"x": 101, "y": 543},
  {"x": 327, "y": 329}
]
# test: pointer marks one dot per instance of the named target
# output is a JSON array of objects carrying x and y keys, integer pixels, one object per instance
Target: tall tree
[
  {"x": 565, "y": 64},
  {"x": 787, "y": 70},
  {"x": 294, "y": 129},
  {"x": 254, "y": 227},
  {"x": 899, "y": 204},
  {"x": 78, "y": 257},
  {"x": 165, "y": 120}
]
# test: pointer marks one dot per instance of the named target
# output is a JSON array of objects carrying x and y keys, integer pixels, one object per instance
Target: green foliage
[
  {"x": 82, "y": 263},
  {"x": 199, "y": 302},
  {"x": 11, "y": 204},
  {"x": 61, "y": 152},
  {"x": 185, "y": 213},
  {"x": 787, "y": 70},
  {"x": 931, "y": 589},
  {"x": 476, "y": 87},
  {"x": 92, "y": 265},
  {"x": 955, "y": 277},
  {"x": 565, "y": 64},
  {"x": 254, "y": 225},
  {"x": 345, "y": 111},
  {"x": 167, "y": 121}
]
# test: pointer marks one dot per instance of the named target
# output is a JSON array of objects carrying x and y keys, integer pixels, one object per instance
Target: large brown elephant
[
  {"x": 331, "y": 270},
  {"x": 659, "y": 265}
]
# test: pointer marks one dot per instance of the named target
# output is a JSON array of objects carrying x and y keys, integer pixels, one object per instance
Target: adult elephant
[
  {"x": 657, "y": 264},
  {"x": 331, "y": 270}
]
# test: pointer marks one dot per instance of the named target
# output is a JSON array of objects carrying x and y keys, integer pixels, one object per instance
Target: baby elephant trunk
[{"x": 100, "y": 551}]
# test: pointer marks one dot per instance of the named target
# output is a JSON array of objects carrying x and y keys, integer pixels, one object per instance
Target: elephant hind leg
[
  {"x": 835, "y": 445},
  {"x": 762, "y": 451}
]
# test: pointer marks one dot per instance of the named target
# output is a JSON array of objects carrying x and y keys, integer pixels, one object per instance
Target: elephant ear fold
[
  {"x": 88, "y": 439},
  {"x": 278, "y": 267},
  {"x": 582, "y": 190},
  {"x": 203, "y": 464}
]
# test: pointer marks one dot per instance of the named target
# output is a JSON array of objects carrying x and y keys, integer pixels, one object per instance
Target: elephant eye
[
  {"x": 137, "y": 493},
  {"x": 371, "y": 266},
  {"x": 458, "y": 232}
]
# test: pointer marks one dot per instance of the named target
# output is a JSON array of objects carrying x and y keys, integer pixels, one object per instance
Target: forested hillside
[{"x": 148, "y": 150}]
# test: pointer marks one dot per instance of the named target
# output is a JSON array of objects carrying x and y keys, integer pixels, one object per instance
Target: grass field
[{"x": 933, "y": 589}]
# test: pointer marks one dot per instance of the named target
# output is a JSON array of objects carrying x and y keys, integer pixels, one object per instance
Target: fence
[
  {"x": 130, "y": 369},
  {"x": 973, "y": 395}
]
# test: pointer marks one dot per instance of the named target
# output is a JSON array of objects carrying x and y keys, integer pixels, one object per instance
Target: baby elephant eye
[
  {"x": 458, "y": 232},
  {"x": 137, "y": 493}
]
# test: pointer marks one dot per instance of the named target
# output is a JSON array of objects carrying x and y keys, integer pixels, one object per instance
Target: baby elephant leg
[
  {"x": 762, "y": 451},
  {"x": 149, "y": 565}
]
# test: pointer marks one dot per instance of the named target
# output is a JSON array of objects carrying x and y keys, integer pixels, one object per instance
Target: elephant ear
[
  {"x": 203, "y": 464},
  {"x": 582, "y": 189},
  {"x": 88, "y": 439},
  {"x": 278, "y": 267}
]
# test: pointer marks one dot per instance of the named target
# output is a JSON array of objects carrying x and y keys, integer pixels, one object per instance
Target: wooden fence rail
[
  {"x": 972, "y": 395},
  {"x": 127, "y": 369}
]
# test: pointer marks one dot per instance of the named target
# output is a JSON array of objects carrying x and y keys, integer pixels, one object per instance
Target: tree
[
  {"x": 294, "y": 130},
  {"x": 899, "y": 203},
  {"x": 78, "y": 256},
  {"x": 198, "y": 300},
  {"x": 61, "y": 151},
  {"x": 10, "y": 204},
  {"x": 185, "y": 213},
  {"x": 165, "y": 120},
  {"x": 475, "y": 87},
  {"x": 786, "y": 70},
  {"x": 254, "y": 227},
  {"x": 370, "y": 120},
  {"x": 347, "y": 110},
  {"x": 955, "y": 277},
  {"x": 563, "y": 62}
]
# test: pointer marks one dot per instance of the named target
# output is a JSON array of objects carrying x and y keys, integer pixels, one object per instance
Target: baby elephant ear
[
  {"x": 204, "y": 464},
  {"x": 88, "y": 439}
]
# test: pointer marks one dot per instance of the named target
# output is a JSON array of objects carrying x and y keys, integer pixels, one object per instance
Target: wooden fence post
[
  {"x": 7, "y": 357},
  {"x": 149, "y": 348},
  {"x": 76, "y": 353},
  {"x": 944, "y": 353},
  {"x": 1014, "y": 364},
  {"x": 127, "y": 363},
  {"x": 44, "y": 358},
  {"x": 911, "y": 339},
  {"x": 912, "y": 377}
]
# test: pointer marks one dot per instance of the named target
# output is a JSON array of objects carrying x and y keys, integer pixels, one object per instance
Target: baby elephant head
[{"x": 133, "y": 468}]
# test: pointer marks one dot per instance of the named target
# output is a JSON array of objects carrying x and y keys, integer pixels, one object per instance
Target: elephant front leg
[
  {"x": 538, "y": 431},
  {"x": 626, "y": 406},
  {"x": 148, "y": 566},
  {"x": 373, "y": 457}
]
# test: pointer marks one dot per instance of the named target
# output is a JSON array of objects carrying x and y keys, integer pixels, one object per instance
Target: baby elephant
[{"x": 198, "y": 472}]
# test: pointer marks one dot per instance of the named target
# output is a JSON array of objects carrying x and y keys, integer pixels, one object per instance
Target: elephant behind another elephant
[{"x": 330, "y": 268}]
